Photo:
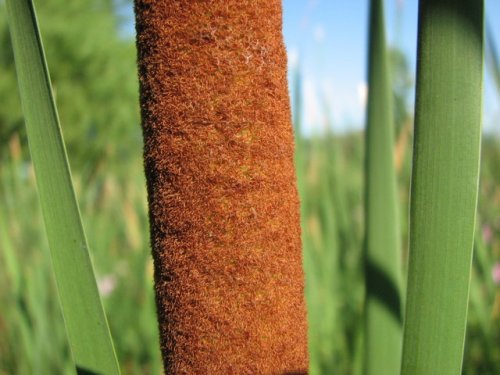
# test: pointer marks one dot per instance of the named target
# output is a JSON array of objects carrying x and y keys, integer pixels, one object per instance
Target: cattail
[{"x": 224, "y": 210}]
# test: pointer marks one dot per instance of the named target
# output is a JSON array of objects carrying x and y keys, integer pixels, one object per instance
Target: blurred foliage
[
  {"x": 113, "y": 208},
  {"x": 402, "y": 84},
  {"x": 94, "y": 77}
]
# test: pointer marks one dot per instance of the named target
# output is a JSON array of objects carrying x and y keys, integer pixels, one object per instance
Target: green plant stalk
[
  {"x": 492, "y": 58},
  {"x": 383, "y": 327},
  {"x": 84, "y": 317},
  {"x": 444, "y": 184}
]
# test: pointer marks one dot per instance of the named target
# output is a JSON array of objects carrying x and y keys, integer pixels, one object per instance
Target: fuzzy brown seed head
[{"x": 224, "y": 210}]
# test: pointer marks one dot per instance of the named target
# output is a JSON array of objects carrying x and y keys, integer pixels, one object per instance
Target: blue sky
[{"x": 327, "y": 41}]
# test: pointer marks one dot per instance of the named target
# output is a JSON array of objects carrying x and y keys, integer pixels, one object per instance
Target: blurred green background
[{"x": 93, "y": 69}]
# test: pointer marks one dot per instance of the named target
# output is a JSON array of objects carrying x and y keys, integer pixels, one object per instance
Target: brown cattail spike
[{"x": 224, "y": 209}]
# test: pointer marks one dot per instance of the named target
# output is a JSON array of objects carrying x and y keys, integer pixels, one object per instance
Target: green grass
[
  {"x": 444, "y": 184},
  {"x": 130, "y": 305},
  {"x": 86, "y": 325},
  {"x": 31, "y": 319}
]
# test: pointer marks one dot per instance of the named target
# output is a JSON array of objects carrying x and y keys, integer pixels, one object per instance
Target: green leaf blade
[
  {"x": 383, "y": 321},
  {"x": 444, "y": 184},
  {"x": 85, "y": 321}
]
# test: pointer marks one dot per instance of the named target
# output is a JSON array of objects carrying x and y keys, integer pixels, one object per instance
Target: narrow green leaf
[
  {"x": 492, "y": 58},
  {"x": 444, "y": 184},
  {"x": 383, "y": 323},
  {"x": 86, "y": 324}
]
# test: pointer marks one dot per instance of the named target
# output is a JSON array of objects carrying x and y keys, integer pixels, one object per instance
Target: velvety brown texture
[{"x": 224, "y": 209}]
